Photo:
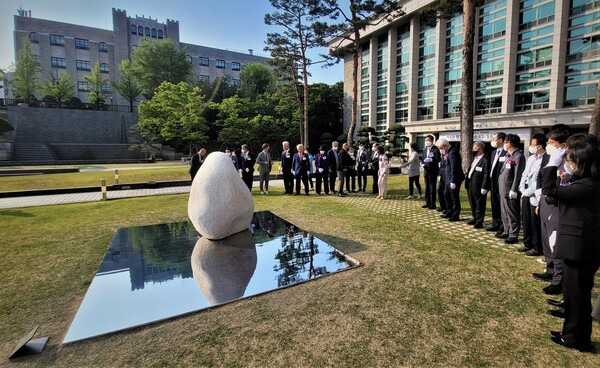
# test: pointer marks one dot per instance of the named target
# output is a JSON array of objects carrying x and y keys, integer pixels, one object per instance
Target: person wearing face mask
[
  {"x": 322, "y": 173},
  {"x": 497, "y": 159},
  {"x": 362, "y": 166},
  {"x": 351, "y": 179},
  {"x": 577, "y": 236},
  {"x": 343, "y": 165},
  {"x": 300, "y": 168},
  {"x": 247, "y": 167},
  {"x": 234, "y": 159},
  {"x": 508, "y": 187},
  {"x": 264, "y": 168},
  {"x": 287, "y": 156},
  {"x": 549, "y": 213},
  {"x": 477, "y": 184},
  {"x": 453, "y": 178},
  {"x": 374, "y": 164},
  {"x": 383, "y": 173},
  {"x": 413, "y": 171},
  {"x": 311, "y": 160},
  {"x": 332, "y": 157},
  {"x": 531, "y": 222},
  {"x": 431, "y": 170}
]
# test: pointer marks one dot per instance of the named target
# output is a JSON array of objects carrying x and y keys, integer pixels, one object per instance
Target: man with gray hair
[
  {"x": 286, "y": 168},
  {"x": 264, "y": 168},
  {"x": 477, "y": 184},
  {"x": 453, "y": 176},
  {"x": 333, "y": 158}
]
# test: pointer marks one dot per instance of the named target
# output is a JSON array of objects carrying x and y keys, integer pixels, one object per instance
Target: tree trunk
[
  {"x": 305, "y": 81},
  {"x": 466, "y": 103},
  {"x": 130, "y": 106},
  {"x": 595, "y": 120},
  {"x": 295, "y": 80},
  {"x": 352, "y": 126}
]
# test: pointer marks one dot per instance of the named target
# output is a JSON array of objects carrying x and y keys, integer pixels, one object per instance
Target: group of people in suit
[{"x": 553, "y": 196}]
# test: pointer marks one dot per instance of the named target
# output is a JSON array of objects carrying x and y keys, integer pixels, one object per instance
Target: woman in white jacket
[
  {"x": 414, "y": 171},
  {"x": 384, "y": 171}
]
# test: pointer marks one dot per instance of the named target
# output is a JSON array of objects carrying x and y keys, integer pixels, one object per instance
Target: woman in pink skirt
[{"x": 384, "y": 171}]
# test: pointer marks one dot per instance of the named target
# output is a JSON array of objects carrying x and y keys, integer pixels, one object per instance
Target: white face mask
[
  {"x": 322, "y": 152},
  {"x": 533, "y": 149},
  {"x": 428, "y": 143},
  {"x": 443, "y": 151},
  {"x": 506, "y": 146},
  {"x": 569, "y": 169},
  {"x": 494, "y": 144},
  {"x": 550, "y": 149}
]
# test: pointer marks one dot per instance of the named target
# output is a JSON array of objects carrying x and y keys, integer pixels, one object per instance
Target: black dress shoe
[
  {"x": 524, "y": 249},
  {"x": 446, "y": 215},
  {"x": 432, "y": 207},
  {"x": 511, "y": 240},
  {"x": 426, "y": 206},
  {"x": 552, "y": 289},
  {"x": 584, "y": 348},
  {"x": 558, "y": 313},
  {"x": 454, "y": 219},
  {"x": 556, "y": 334},
  {"x": 441, "y": 210},
  {"x": 542, "y": 276},
  {"x": 501, "y": 236},
  {"x": 532, "y": 253},
  {"x": 472, "y": 222},
  {"x": 478, "y": 226},
  {"x": 556, "y": 303}
]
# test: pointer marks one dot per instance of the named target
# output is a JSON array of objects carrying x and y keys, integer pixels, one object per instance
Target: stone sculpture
[{"x": 220, "y": 204}]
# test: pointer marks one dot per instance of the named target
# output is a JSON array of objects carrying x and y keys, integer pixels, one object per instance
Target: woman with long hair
[{"x": 383, "y": 172}]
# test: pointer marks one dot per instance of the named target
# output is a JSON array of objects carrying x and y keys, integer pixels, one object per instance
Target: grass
[{"x": 423, "y": 297}]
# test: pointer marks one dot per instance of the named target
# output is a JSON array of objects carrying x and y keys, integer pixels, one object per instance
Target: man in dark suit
[
  {"x": 431, "y": 170},
  {"x": 197, "y": 161},
  {"x": 363, "y": 159},
  {"x": 247, "y": 167},
  {"x": 301, "y": 168},
  {"x": 374, "y": 165},
  {"x": 477, "y": 184},
  {"x": 322, "y": 171},
  {"x": 497, "y": 159},
  {"x": 286, "y": 168},
  {"x": 453, "y": 178},
  {"x": 508, "y": 188},
  {"x": 343, "y": 165},
  {"x": 332, "y": 157}
]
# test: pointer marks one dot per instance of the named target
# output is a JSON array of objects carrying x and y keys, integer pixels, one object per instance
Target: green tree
[
  {"x": 325, "y": 111},
  {"x": 60, "y": 88},
  {"x": 25, "y": 82},
  {"x": 95, "y": 81},
  {"x": 219, "y": 89},
  {"x": 256, "y": 79},
  {"x": 157, "y": 61},
  {"x": 127, "y": 85},
  {"x": 360, "y": 15},
  {"x": 174, "y": 116}
]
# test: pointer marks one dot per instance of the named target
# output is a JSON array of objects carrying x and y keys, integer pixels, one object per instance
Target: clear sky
[{"x": 226, "y": 24}]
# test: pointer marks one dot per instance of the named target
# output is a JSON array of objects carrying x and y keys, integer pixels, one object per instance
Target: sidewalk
[{"x": 53, "y": 199}]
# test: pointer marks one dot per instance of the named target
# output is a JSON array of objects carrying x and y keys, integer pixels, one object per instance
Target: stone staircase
[{"x": 31, "y": 151}]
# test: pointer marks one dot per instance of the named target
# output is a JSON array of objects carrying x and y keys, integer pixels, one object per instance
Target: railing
[{"x": 4, "y": 102}]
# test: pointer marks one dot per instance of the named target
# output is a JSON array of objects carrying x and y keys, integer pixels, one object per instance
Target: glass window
[
  {"x": 188, "y": 58},
  {"x": 104, "y": 68},
  {"x": 235, "y": 66},
  {"x": 160, "y": 34},
  {"x": 83, "y": 86},
  {"x": 56, "y": 40},
  {"x": 154, "y": 33},
  {"x": 140, "y": 31},
  {"x": 204, "y": 78},
  {"x": 58, "y": 62},
  {"x": 34, "y": 37},
  {"x": 147, "y": 31},
  {"x": 133, "y": 29},
  {"x": 82, "y": 65},
  {"x": 220, "y": 64},
  {"x": 102, "y": 47},
  {"x": 105, "y": 88},
  {"x": 82, "y": 44},
  {"x": 203, "y": 61},
  {"x": 584, "y": 44}
]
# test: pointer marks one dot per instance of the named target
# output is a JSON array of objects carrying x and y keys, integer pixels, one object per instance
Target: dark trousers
[
  {"x": 310, "y": 181},
  {"x": 478, "y": 203},
  {"x": 374, "y": 173},
  {"x": 332, "y": 177},
  {"x": 248, "y": 178},
  {"x": 511, "y": 214},
  {"x": 362, "y": 179},
  {"x": 351, "y": 179},
  {"x": 452, "y": 197},
  {"x": 549, "y": 218},
  {"x": 342, "y": 178},
  {"x": 430, "y": 186},
  {"x": 578, "y": 281},
  {"x": 413, "y": 181},
  {"x": 532, "y": 226},
  {"x": 302, "y": 176},
  {"x": 288, "y": 181},
  {"x": 324, "y": 178},
  {"x": 441, "y": 189},
  {"x": 495, "y": 203}
]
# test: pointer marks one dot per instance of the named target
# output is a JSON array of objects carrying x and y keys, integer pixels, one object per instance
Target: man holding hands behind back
[
  {"x": 477, "y": 184},
  {"x": 508, "y": 187}
]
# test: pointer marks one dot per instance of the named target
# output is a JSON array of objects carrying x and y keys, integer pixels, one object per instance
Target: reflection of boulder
[
  {"x": 220, "y": 204},
  {"x": 223, "y": 268}
]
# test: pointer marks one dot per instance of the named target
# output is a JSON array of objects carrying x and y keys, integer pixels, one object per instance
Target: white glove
[
  {"x": 247, "y": 170},
  {"x": 292, "y": 171},
  {"x": 484, "y": 191},
  {"x": 320, "y": 170},
  {"x": 556, "y": 158},
  {"x": 452, "y": 186},
  {"x": 428, "y": 160},
  {"x": 512, "y": 195},
  {"x": 308, "y": 172},
  {"x": 538, "y": 194}
]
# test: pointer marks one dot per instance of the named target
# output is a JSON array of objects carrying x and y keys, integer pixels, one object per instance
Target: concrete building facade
[
  {"x": 536, "y": 64},
  {"x": 75, "y": 49}
]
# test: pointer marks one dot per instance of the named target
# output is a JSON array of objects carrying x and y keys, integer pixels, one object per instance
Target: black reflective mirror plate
[{"x": 152, "y": 273}]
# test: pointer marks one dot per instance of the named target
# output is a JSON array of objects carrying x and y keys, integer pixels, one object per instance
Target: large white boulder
[
  {"x": 220, "y": 203},
  {"x": 223, "y": 268}
]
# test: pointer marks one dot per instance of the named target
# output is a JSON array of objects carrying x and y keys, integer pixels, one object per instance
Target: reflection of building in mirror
[{"x": 223, "y": 268}]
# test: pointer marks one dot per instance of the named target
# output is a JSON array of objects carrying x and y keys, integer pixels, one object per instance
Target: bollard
[
  {"x": 117, "y": 176},
  {"x": 103, "y": 183}
]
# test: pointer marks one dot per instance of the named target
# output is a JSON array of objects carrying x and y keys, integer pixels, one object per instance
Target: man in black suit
[
  {"x": 197, "y": 161},
  {"x": 431, "y": 170},
  {"x": 363, "y": 166},
  {"x": 374, "y": 165},
  {"x": 247, "y": 167},
  {"x": 497, "y": 159},
  {"x": 343, "y": 165},
  {"x": 477, "y": 184},
  {"x": 286, "y": 168},
  {"x": 332, "y": 157},
  {"x": 453, "y": 178},
  {"x": 508, "y": 188}
]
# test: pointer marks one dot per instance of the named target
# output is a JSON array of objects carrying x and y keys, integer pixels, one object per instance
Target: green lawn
[{"x": 422, "y": 298}]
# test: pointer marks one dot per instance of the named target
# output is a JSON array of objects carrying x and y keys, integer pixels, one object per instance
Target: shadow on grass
[
  {"x": 16, "y": 213},
  {"x": 345, "y": 245}
]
